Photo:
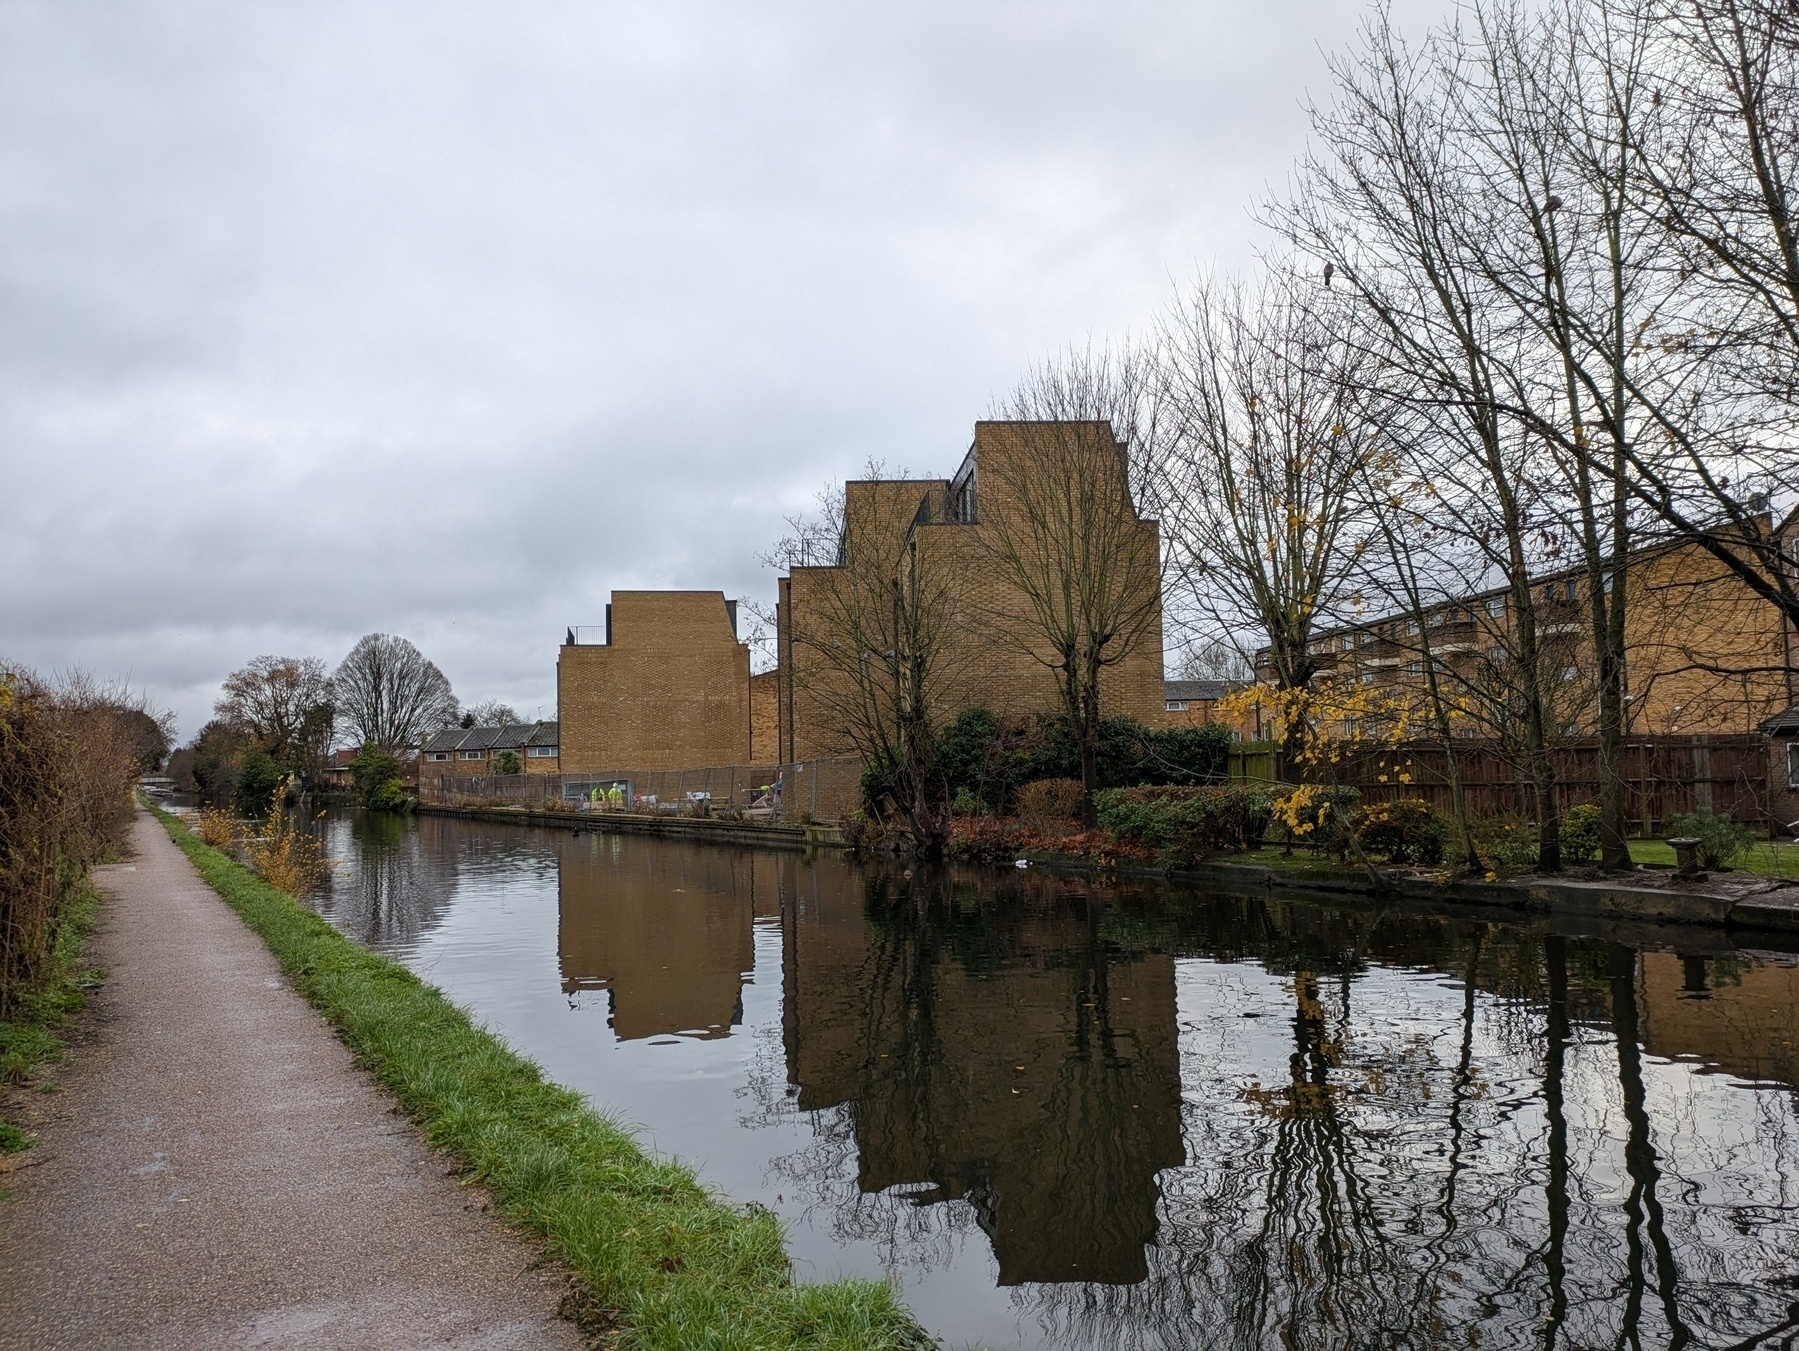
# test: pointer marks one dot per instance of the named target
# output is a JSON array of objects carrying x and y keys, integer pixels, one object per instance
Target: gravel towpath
[{"x": 216, "y": 1172}]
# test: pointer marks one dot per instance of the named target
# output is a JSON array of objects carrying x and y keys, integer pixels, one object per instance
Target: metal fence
[
  {"x": 1664, "y": 776},
  {"x": 811, "y": 790}
]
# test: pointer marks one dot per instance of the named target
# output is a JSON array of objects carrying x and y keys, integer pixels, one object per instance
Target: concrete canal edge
[
  {"x": 663, "y": 1263},
  {"x": 1773, "y": 907}
]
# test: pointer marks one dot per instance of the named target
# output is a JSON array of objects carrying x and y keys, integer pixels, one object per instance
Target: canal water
[{"x": 1072, "y": 1114}]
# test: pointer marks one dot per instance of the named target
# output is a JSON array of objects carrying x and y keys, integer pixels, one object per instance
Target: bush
[
  {"x": 68, "y": 758},
  {"x": 1185, "y": 825},
  {"x": 216, "y": 827},
  {"x": 378, "y": 780},
  {"x": 1507, "y": 844},
  {"x": 967, "y": 804},
  {"x": 1722, "y": 840},
  {"x": 257, "y": 777},
  {"x": 1051, "y": 797},
  {"x": 1406, "y": 831},
  {"x": 1318, "y": 814},
  {"x": 1580, "y": 833},
  {"x": 995, "y": 759},
  {"x": 507, "y": 762}
]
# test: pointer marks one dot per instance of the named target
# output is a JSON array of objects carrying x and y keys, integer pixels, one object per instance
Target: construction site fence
[
  {"x": 828, "y": 789},
  {"x": 1664, "y": 776}
]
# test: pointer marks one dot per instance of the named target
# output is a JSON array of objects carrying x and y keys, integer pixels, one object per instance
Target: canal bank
[
  {"x": 213, "y": 1170},
  {"x": 1738, "y": 901}
]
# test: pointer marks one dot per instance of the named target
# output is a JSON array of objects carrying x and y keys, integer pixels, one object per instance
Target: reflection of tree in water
[
  {"x": 1386, "y": 1193},
  {"x": 989, "y": 1050},
  {"x": 391, "y": 878},
  {"x": 1422, "y": 1167}
]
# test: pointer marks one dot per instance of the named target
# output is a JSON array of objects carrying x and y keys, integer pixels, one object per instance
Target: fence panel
[{"x": 1664, "y": 777}]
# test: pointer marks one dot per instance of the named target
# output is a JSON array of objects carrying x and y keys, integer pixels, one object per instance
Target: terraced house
[{"x": 471, "y": 752}]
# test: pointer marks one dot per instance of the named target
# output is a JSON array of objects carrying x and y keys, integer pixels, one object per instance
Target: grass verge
[
  {"x": 1766, "y": 857},
  {"x": 28, "y": 1040},
  {"x": 665, "y": 1265}
]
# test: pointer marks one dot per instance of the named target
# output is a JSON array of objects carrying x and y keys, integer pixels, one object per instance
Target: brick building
[
  {"x": 1703, "y": 654},
  {"x": 468, "y": 752},
  {"x": 949, "y": 530},
  {"x": 668, "y": 688},
  {"x": 1783, "y": 768},
  {"x": 1189, "y": 703}
]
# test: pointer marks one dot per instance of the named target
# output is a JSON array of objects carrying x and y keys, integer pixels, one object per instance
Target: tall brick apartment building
[
  {"x": 1703, "y": 653},
  {"x": 668, "y": 688},
  {"x": 993, "y": 658}
]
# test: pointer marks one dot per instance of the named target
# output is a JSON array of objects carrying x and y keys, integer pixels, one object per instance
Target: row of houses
[{"x": 665, "y": 683}]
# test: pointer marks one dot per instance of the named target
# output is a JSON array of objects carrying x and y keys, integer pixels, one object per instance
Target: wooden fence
[
  {"x": 1664, "y": 776},
  {"x": 811, "y": 790}
]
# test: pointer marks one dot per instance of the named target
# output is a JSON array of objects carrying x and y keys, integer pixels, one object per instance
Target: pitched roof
[
  {"x": 1194, "y": 689},
  {"x": 513, "y": 736},
  {"x": 1783, "y": 722}
]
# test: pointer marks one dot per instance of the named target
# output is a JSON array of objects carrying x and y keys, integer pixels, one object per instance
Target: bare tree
[
  {"x": 1396, "y": 206},
  {"x": 390, "y": 695},
  {"x": 866, "y": 632},
  {"x": 285, "y": 704},
  {"x": 492, "y": 713},
  {"x": 1272, "y": 424},
  {"x": 1059, "y": 528}
]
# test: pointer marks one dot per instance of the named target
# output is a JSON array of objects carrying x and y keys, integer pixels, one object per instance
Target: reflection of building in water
[
  {"x": 999, "y": 1058},
  {"x": 1736, "y": 1012},
  {"x": 666, "y": 932}
]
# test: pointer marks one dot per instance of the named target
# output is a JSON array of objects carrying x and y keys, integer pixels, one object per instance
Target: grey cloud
[{"x": 445, "y": 318}]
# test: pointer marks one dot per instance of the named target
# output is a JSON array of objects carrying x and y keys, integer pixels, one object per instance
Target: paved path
[{"x": 216, "y": 1172}]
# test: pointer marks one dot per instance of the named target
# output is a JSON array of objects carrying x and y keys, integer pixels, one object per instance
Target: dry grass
[
  {"x": 288, "y": 858},
  {"x": 216, "y": 827}
]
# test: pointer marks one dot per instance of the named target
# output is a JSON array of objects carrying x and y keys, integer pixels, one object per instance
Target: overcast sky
[{"x": 445, "y": 319}]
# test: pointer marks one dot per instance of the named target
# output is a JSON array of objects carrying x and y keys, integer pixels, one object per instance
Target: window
[
  {"x": 1177, "y": 705},
  {"x": 439, "y": 755},
  {"x": 1414, "y": 668},
  {"x": 1570, "y": 673},
  {"x": 1496, "y": 607},
  {"x": 1793, "y": 764},
  {"x": 1349, "y": 642},
  {"x": 1569, "y": 590},
  {"x": 1367, "y": 677},
  {"x": 474, "y": 755},
  {"x": 1411, "y": 628},
  {"x": 541, "y": 752},
  {"x": 1438, "y": 618}
]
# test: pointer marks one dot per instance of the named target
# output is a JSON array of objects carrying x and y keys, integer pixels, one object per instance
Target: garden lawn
[
  {"x": 1764, "y": 856},
  {"x": 666, "y": 1265}
]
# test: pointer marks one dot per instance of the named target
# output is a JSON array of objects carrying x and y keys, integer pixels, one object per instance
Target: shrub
[
  {"x": 967, "y": 804},
  {"x": 1580, "y": 833},
  {"x": 378, "y": 780},
  {"x": 257, "y": 776},
  {"x": 216, "y": 827},
  {"x": 1406, "y": 831},
  {"x": 288, "y": 858},
  {"x": 1185, "y": 825},
  {"x": 1051, "y": 797},
  {"x": 1506, "y": 844},
  {"x": 1722, "y": 840},
  {"x": 507, "y": 762},
  {"x": 1317, "y": 814},
  {"x": 68, "y": 759}
]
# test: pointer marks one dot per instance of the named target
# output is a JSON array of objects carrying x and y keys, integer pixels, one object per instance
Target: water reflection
[
  {"x": 1000, "y": 1055},
  {"x": 1071, "y": 1115},
  {"x": 669, "y": 941}
]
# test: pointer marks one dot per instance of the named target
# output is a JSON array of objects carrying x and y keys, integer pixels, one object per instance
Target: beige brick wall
[
  {"x": 671, "y": 691},
  {"x": 994, "y": 658},
  {"x": 765, "y": 719}
]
